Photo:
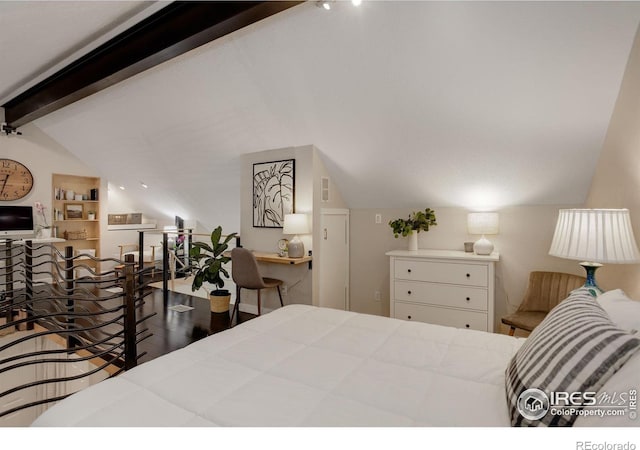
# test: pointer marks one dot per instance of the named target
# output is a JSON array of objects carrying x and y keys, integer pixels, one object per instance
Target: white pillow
[
  {"x": 576, "y": 349},
  {"x": 623, "y": 311},
  {"x": 618, "y": 388}
]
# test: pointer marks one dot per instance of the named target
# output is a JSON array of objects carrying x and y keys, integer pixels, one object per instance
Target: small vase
[
  {"x": 413, "y": 242},
  {"x": 45, "y": 233},
  {"x": 70, "y": 195}
]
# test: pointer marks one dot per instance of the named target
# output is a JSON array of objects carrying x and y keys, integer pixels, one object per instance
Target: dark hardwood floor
[{"x": 173, "y": 330}]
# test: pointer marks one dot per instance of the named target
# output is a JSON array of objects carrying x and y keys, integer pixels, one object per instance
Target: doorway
[{"x": 334, "y": 258}]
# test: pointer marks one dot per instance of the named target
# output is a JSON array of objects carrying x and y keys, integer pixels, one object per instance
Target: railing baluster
[
  {"x": 69, "y": 289},
  {"x": 130, "y": 348},
  {"x": 165, "y": 267},
  {"x": 141, "y": 262},
  {"x": 28, "y": 281}
]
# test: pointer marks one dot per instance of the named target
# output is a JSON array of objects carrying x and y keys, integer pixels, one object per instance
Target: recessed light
[
  {"x": 356, "y": 2},
  {"x": 144, "y": 185},
  {"x": 121, "y": 188}
]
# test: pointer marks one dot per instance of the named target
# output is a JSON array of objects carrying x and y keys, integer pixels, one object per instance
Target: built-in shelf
[
  {"x": 78, "y": 201},
  {"x": 132, "y": 226},
  {"x": 36, "y": 240},
  {"x": 82, "y": 225}
]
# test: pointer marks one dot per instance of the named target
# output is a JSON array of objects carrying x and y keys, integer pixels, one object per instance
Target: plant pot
[
  {"x": 413, "y": 241},
  {"x": 45, "y": 233},
  {"x": 219, "y": 301}
]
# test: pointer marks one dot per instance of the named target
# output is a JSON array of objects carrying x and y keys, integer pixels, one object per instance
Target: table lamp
[
  {"x": 483, "y": 223},
  {"x": 594, "y": 236},
  {"x": 295, "y": 224}
]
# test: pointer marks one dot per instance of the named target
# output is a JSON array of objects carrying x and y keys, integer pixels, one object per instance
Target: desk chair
[
  {"x": 544, "y": 292},
  {"x": 246, "y": 274}
]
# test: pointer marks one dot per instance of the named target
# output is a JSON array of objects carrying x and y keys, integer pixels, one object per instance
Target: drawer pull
[
  {"x": 468, "y": 275},
  {"x": 409, "y": 270},
  {"x": 468, "y": 298},
  {"x": 409, "y": 292},
  {"x": 409, "y": 317},
  {"x": 467, "y": 325}
]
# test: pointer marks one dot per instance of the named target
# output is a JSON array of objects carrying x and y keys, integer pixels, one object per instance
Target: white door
[{"x": 334, "y": 259}]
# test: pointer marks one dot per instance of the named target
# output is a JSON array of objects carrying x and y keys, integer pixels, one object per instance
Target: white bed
[{"x": 307, "y": 366}]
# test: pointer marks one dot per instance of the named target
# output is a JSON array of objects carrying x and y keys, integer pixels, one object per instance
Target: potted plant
[
  {"x": 91, "y": 215},
  {"x": 417, "y": 221},
  {"x": 44, "y": 231},
  {"x": 209, "y": 261}
]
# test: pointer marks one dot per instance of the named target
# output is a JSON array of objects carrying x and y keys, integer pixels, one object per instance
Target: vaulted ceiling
[{"x": 475, "y": 104}]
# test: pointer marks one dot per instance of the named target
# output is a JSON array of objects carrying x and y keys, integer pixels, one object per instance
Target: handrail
[
  {"x": 165, "y": 252},
  {"x": 65, "y": 319}
]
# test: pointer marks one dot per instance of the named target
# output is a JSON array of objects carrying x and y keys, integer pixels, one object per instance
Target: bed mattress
[{"x": 307, "y": 366}]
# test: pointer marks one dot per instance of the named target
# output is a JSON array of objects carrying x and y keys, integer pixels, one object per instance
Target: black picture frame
[{"x": 273, "y": 192}]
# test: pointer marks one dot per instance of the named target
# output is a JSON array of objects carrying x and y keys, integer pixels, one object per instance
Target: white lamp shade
[
  {"x": 483, "y": 223},
  {"x": 295, "y": 224},
  {"x": 595, "y": 235}
]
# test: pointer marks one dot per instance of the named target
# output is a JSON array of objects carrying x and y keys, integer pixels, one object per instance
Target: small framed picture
[{"x": 73, "y": 211}]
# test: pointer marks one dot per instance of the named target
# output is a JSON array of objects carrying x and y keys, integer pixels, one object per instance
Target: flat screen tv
[{"x": 16, "y": 221}]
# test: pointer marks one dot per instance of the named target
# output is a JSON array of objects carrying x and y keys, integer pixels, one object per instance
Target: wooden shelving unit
[{"x": 71, "y": 216}]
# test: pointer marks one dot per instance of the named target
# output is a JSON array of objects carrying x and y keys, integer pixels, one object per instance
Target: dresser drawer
[
  {"x": 442, "y": 316},
  {"x": 442, "y": 295},
  {"x": 442, "y": 272}
]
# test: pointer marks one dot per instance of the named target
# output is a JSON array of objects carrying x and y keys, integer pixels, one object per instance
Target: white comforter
[{"x": 307, "y": 366}]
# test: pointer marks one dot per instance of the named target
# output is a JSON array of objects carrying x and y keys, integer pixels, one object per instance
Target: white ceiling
[
  {"x": 35, "y": 36},
  {"x": 474, "y": 104}
]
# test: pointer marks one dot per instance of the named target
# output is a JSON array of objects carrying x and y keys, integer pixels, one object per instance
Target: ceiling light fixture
[
  {"x": 144, "y": 185},
  {"x": 356, "y": 2},
  {"x": 324, "y": 4},
  {"x": 121, "y": 188},
  {"x": 8, "y": 129}
]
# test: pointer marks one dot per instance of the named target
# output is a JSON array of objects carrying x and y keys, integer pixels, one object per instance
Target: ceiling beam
[{"x": 172, "y": 31}]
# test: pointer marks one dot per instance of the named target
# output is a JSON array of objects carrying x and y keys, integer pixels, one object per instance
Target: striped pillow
[{"x": 576, "y": 348}]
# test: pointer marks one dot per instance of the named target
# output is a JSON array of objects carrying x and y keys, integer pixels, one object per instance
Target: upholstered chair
[{"x": 545, "y": 290}]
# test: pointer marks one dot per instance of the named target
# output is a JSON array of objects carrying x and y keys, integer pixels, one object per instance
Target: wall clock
[{"x": 16, "y": 180}]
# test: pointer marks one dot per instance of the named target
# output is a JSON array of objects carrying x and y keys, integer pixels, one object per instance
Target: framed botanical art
[
  {"x": 273, "y": 192},
  {"x": 73, "y": 211}
]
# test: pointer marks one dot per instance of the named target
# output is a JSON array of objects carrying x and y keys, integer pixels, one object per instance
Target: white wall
[
  {"x": 616, "y": 182},
  {"x": 43, "y": 156},
  {"x": 298, "y": 278},
  {"x": 523, "y": 243}
]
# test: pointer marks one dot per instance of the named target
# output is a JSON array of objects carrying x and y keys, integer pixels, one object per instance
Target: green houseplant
[
  {"x": 209, "y": 263},
  {"x": 417, "y": 221}
]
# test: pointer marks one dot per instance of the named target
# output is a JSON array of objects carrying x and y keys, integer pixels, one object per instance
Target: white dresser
[{"x": 444, "y": 287}]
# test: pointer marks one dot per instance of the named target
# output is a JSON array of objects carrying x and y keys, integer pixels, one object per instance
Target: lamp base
[
  {"x": 295, "y": 249},
  {"x": 590, "y": 284},
  {"x": 483, "y": 246}
]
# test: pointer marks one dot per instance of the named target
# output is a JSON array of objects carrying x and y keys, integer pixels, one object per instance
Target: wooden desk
[{"x": 277, "y": 259}]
